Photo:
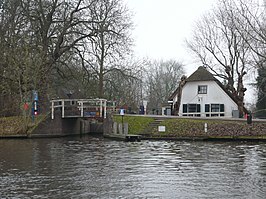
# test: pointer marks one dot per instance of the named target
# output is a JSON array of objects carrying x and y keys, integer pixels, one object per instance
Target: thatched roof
[{"x": 201, "y": 74}]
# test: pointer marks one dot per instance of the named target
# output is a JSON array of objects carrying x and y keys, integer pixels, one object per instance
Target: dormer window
[{"x": 202, "y": 89}]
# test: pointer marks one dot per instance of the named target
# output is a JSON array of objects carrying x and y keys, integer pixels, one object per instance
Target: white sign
[
  {"x": 122, "y": 111},
  {"x": 161, "y": 128}
]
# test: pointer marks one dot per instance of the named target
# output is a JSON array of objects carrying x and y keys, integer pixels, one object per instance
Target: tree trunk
[
  {"x": 101, "y": 63},
  {"x": 179, "y": 94},
  {"x": 101, "y": 91}
]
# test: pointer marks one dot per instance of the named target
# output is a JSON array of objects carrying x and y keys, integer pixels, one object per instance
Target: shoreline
[
  {"x": 205, "y": 139},
  {"x": 176, "y": 128}
]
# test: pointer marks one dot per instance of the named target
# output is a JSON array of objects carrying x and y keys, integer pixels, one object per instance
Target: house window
[
  {"x": 214, "y": 110},
  {"x": 191, "y": 108},
  {"x": 215, "y": 107},
  {"x": 202, "y": 89},
  {"x": 207, "y": 108},
  {"x": 184, "y": 108},
  {"x": 221, "y": 107}
]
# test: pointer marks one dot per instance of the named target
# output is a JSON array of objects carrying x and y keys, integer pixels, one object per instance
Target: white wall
[{"x": 215, "y": 95}]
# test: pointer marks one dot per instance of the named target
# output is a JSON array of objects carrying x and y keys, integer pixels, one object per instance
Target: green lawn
[{"x": 135, "y": 124}]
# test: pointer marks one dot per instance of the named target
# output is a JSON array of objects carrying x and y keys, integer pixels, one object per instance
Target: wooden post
[
  {"x": 101, "y": 108},
  {"x": 125, "y": 129},
  {"x": 104, "y": 116},
  {"x": 114, "y": 128},
  {"x": 63, "y": 108},
  {"x": 81, "y": 110},
  {"x": 120, "y": 128},
  {"x": 52, "y": 110}
]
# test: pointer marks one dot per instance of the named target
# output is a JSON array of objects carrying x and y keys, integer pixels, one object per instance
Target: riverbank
[
  {"x": 174, "y": 128},
  {"x": 195, "y": 128},
  {"x": 18, "y": 126}
]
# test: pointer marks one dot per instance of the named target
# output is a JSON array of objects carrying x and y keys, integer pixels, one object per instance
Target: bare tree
[
  {"x": 36, "y": 36},
  {"x": 45, "y": 43},
  {"x": 251, "y": 22},
  {"x": 17, "y": 58},
  {"x": 126, "y": 87},
  {"x": 59, "y": 26},
  {"x": 252, "y": 27},
  {"x": 112, "y": 22},
  {"x": 223, "y": 49},
  {"x": 162, "y": 79}
]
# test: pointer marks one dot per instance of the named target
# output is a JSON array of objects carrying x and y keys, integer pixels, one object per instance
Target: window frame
[
  {"x": 214, "y": 110},
  {"x": 191, "y": 108},
  {"x": 202, "y": 89}
]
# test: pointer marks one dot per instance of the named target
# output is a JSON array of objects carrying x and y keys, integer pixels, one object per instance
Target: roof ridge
[{"x": 201, "y": 74}]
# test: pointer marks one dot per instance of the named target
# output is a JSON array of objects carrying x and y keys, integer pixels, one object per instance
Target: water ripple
[{"x": 92, "y": 167}]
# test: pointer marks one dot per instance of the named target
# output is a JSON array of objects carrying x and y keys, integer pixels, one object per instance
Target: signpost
[
  {"x": 122, "y": 113},
  {"x": 35, "y": 95},
  {"x": 34, "y": 109}
]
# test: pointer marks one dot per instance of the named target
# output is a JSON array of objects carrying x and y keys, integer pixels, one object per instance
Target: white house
[{"x": 202, "y": 95}]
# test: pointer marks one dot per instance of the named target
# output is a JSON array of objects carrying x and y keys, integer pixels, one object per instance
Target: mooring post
[
  {"x": 125, "y": 128},
  {"x": 120, "y": 129},
  {"x": 115, "y": 128}
]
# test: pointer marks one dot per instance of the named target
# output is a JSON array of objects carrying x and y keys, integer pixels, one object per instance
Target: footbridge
[
  {"x": 75, "y": 117},
  {"x": 82, "y": 108}
]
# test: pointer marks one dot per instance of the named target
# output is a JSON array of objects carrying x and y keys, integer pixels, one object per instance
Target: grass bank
[
  {"x": 18, "y": 125},
  {"x": 136, "y": 125},
  {"x": 178, "y": 128}
]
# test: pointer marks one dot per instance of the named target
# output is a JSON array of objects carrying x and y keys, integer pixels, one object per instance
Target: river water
[{"x": 94, "y": 167}]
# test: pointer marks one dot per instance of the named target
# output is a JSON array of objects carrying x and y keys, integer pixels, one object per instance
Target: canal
[{"x": 94, "y": 167}]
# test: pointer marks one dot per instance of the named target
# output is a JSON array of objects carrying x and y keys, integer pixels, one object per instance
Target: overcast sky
[{"x": 161, "y": 27}]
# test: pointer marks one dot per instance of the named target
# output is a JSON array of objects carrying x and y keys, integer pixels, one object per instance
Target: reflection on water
[{"x": 91, "y": 167}]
